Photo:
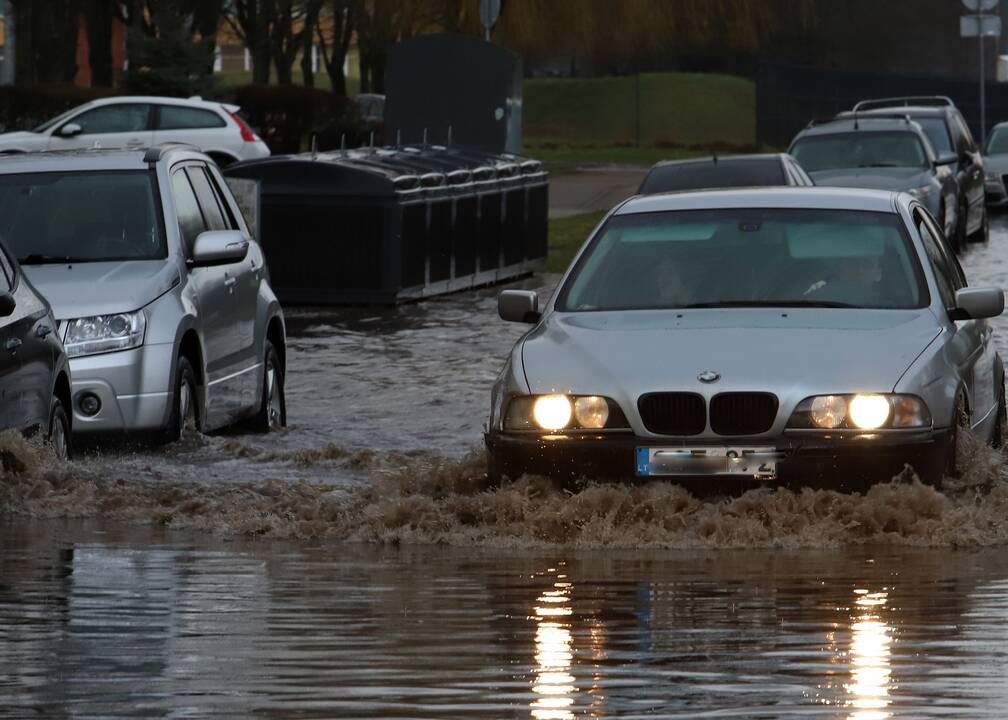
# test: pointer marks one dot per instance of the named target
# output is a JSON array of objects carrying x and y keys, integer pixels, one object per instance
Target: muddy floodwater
[{"x": 357, "y": 564}]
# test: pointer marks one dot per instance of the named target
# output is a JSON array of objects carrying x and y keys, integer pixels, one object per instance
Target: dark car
[
  {"x": 34, "y": 373},
  {"x": 878, "y": 153},
  {"x": 954, "y": 144},
  {"x": 724, "y": 172}
]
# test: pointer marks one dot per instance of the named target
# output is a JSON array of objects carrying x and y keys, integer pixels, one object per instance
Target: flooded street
[{"x": 357, "y": 564}]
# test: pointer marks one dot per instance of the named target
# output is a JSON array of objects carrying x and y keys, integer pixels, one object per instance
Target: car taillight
[{"x": 246, "y": 131}]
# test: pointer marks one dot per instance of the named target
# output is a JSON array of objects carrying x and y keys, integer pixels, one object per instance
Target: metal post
[
  {"x": 637, "y": 107},
  {"x": 983, "y": 95}
]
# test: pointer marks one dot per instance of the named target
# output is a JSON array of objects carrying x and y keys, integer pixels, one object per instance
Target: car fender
[{"x": 935, "y": 379}]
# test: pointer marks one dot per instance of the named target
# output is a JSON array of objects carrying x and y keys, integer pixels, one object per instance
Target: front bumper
[
  {"x": 995, "y": 193},
  {"x": 133, "y": 387},
  {"x": 804, "y": 455}
]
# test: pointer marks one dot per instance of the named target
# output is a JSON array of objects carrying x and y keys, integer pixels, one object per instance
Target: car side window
[
  {"x": 190, "y": 219},
  {"x": 120, "y": 118},
  {"x": 943, "y": 273},
  {"x": 969, "y": 142},
  {"x": 176, "y": 117},
  {"x": 956, "y": 274},
  {"x": 206, "y": 198},
  {"x": 229, "y": 217},
  {"x": 7, "y": 274}
]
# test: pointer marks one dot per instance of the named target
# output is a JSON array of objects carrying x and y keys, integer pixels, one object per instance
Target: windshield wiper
[
  {"x": 770, "y": 303},
  {"x": 39, "y": 259},
  {"x": 882, "y": 165}
]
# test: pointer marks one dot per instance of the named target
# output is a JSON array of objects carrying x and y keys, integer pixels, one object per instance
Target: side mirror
[
  {"x": 70, "y": 130},
  {"x": 519, "y": 306},
  {"x": 7, "y": 304},
  {"x": 219, "y": 247},
  {"x": 978, "y": 303},
  {"x": 947, "y": 159}
]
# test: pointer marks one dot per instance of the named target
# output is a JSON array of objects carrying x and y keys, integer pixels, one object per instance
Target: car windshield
[
  {"x": 860, "y": 150},
  {"x": 937, "y": 133},
  {"x": 58, "y": 217},
  {"x": 747, "y": 258},
  {"x": 709, "y": 174},
  {"x": 997, "y": 144},
  {"x": 55, "y": 121}
]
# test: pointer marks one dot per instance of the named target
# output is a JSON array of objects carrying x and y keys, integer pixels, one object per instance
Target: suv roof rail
[
  {"x": 894, "y": 115},
  {"x": 906, "y": 101},
  {"x": 154, "y": 153}
]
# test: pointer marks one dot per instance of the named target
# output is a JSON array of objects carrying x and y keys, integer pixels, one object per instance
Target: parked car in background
[
  {"x": 134, "y": 122},
  {"x": 371, "y": 107},
  {"x": 953, "y": 143},
  {"x": 162, "y": 297},
  {"x": 724, "y": 172},
  {"x": 34, "y": 372},
  {"x": 761, "y": 333},
  {"x": 879, "y": 153},
  {"x": 996, "y": 165}
]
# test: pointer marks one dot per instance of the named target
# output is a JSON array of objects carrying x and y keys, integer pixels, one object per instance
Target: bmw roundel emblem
[{"x": 709, "y": 376}]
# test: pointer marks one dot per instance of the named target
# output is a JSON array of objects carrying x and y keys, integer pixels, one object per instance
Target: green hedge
[{"x": 23, "y": 108}]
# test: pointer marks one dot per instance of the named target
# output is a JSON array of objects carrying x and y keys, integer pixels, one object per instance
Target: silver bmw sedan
[{"x": 765, "y": 334}]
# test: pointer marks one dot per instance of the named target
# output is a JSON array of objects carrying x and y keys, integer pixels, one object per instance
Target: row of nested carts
[{"x": 387, "y": 225}]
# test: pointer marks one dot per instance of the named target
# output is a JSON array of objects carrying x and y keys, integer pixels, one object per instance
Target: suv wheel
[
  {"x": 185, "y": 416},
  {"x": 58, "y": 436},
  {"x": 273, "y": 407}
]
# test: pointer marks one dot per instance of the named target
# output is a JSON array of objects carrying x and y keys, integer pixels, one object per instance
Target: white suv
[{"x": 135, "y": 122}]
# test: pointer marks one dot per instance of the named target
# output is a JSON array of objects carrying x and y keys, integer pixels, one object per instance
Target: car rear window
[
  {"x": 860, "y": 149},
  {"x": 721, "y": 174},
  {"x": 83, "y": 216},
  {"x": 747, "y": 257}
]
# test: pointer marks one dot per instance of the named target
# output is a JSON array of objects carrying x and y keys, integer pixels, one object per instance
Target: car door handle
[
  {"x": 13, "y": 344},
  {"x": 42, "y": 331},
  {"x": 230, "y": 281}
]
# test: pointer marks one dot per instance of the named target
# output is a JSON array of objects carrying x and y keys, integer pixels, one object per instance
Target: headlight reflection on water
[
  {"x": 554, "y": 655},
  {"x": 870, "y": 659}
]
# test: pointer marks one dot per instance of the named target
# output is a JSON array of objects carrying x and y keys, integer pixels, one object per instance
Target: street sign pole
[{"x": 982, "y": 24}]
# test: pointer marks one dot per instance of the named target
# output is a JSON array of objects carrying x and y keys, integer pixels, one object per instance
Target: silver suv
[{"x": 162, "y": 296}]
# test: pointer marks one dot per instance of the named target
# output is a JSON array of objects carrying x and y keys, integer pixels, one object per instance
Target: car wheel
[
  {"x": 58, "y": 436},
  {"x": 185, "y": 416},
  {"x": 273, "y": 407},
  {"x": 982, "y": 234}
]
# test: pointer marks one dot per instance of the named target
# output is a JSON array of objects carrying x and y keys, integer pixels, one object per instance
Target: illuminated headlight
[
  {"x": 861, "y": 412},
  {"x": 554, "y": 413},
  {"x": 104, "y": 333},
  {"x": 920, "y": 192}
]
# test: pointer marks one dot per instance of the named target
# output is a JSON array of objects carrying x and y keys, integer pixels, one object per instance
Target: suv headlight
[
  {"x": 860, "y": 412},
  {"x": 104, "y": 333},
  {"x": 555, "y": 413}
]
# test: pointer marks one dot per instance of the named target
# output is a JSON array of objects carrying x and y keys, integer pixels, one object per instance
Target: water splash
[{"x": 421, "y": 498}]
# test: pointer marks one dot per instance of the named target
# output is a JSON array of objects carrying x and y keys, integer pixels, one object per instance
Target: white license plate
[{"x": 757, "y": 462}]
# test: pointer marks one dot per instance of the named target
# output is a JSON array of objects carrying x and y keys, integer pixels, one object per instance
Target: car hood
[
  {"x": 85, "y": 289},
  {"x": 793, "y": 353},
  {"x": 874, "y": 178},
  {"x": 20, "y": 138},
  {"x": 996, "y": 164}
]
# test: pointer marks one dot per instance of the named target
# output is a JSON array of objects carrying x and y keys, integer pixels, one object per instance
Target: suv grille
[
  {"x": 743, "y": 413},
  {"x": 673, "y": 413}
]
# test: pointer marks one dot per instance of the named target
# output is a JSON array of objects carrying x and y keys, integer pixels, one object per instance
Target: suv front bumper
[{"x": 133, "y": 387}]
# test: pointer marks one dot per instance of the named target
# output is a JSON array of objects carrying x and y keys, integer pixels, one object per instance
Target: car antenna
[
  {"x": 398, "y": 137},
  {"x": 371, "y": 142},
  {"x": 342, "y": 144},
  {"x": 855, "y": 119},
  {"x": 449, "y": 134},
  {"x": 424, "y": 144}
]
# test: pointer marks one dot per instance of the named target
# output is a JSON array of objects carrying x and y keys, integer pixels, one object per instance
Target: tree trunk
[
  {"x": 365, "y": 71},
  {"x": 98, "y": 20},
  {"x": 261, "y": 63}
]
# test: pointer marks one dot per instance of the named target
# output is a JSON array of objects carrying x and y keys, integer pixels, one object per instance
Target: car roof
[
  {"x": 824, "y": 198},
  {"x": 92, "y": 159},
  {"x": 196, "y": 102},
  {"x": 912, "y": 110},
  {"x": 761, "y": 157},
  {"x": 862, "y": 124}
]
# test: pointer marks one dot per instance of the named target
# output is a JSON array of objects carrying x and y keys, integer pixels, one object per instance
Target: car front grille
[
  {"x": 672, "y": 413},
  {"x": 743, "y": 413}
]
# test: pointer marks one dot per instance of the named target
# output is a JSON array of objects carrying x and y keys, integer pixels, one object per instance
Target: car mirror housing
[
  {"x": 219, "y": 247},
  {"x": 519, "y": 306},
  {"x": 7, "y": 304},
  {"x": 70, "y": 130},
  {"x": 978, "y": 303}
]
